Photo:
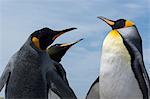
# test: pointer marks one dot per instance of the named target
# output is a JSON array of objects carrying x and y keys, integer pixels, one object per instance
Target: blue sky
[{"x": 19, "y": 18}]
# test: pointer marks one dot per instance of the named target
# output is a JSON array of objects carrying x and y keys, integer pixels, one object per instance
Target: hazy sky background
[{"x": 19, "y": 18}]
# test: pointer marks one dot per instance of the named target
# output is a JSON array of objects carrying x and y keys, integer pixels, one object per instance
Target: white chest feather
[{"x": 117, "y": 80}]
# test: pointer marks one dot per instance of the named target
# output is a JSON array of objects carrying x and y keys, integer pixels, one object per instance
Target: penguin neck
[
  {"x": 131, "y": 34},
  {"x": 28, "y": 50},
  {"x": 56, "y": 58},
  {"x": 113, "y": 49}
]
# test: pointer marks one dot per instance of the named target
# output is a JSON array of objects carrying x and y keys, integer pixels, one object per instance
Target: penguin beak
[
  {"x": 58, "y": 33},
  {"x": 71, "y": 44},
  {"x": 109, "y": 22}
]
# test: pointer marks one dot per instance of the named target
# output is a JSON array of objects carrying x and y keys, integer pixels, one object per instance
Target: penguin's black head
[
  {"x": 57, "y": 51},
  {"x": 44, "y": 37},
  {"x": 121, "y": 23}
]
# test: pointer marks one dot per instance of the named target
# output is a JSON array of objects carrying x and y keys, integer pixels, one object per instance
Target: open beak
[
  {"x": 58, "y": 33},
  {"x": 71, "y": 44},
  {"x": 109, "y": 22}
]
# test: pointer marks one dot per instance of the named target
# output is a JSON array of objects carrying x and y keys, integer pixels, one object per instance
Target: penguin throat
[{"x": 56, "y": 58}]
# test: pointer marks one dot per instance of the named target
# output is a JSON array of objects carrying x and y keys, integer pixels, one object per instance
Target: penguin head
[
  {"x": 44, "y": 37},
  {"x": 118, "y": 24},
  {"x": 127, "y": 30},
  {"x": 57, "y": 51}
]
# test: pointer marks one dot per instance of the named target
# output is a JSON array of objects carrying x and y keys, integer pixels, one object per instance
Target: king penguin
[
  {"x": 93, "y": 92},
  {"x": 27, "y": 73},
  {"x": 56, "y": 52},
  {"x": 122, "y": 71}
]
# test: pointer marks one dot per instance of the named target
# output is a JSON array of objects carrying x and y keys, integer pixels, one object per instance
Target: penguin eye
[{"x": 57, "y": 45}]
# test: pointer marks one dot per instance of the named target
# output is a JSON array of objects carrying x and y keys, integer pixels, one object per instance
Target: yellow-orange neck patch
[
  {"x": 112, "y": 37},
  {"x": 114, "y": 34}
]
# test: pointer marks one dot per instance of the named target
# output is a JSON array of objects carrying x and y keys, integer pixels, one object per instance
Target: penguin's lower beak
[
  {"x": 71, "y": 44},
  {"x": 58, "y": 33},
  {"x": 109, "y": 22}
]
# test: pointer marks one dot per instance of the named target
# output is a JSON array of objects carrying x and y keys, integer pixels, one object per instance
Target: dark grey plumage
[
  {"x": 131, "y": 34},
  {"x": 61, "y": 87},
  {"x": 93, "y": 92},
  {"x": 28, "y": 71},
  {"x": 26, "y": 78},
  {"x": 56, "y": 52}
]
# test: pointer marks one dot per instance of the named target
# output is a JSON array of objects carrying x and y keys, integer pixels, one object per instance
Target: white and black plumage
[{"x": 122, "y": 71}]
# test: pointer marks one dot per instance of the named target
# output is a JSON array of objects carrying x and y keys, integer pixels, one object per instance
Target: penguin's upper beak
[
  {"x": 71, "y": 44},
  {"x": 58, "y": 33},
  {"x": 109, "y": 22}
]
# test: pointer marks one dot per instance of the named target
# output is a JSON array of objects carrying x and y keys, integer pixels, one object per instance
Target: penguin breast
[
  {"x": 117, "y": 80},
  {"x": 113, "y": 44}
]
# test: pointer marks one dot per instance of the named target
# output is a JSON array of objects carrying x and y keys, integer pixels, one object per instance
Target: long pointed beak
[
  {"x": 62, "y": 32},
  {"x": 71, "y": 44},
  {"x": 109, "y": 22}
]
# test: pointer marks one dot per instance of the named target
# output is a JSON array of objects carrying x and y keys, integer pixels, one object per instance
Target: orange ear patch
[
  {"x": 36, "y": 42},
  {"x": 128, "y": 23}
]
